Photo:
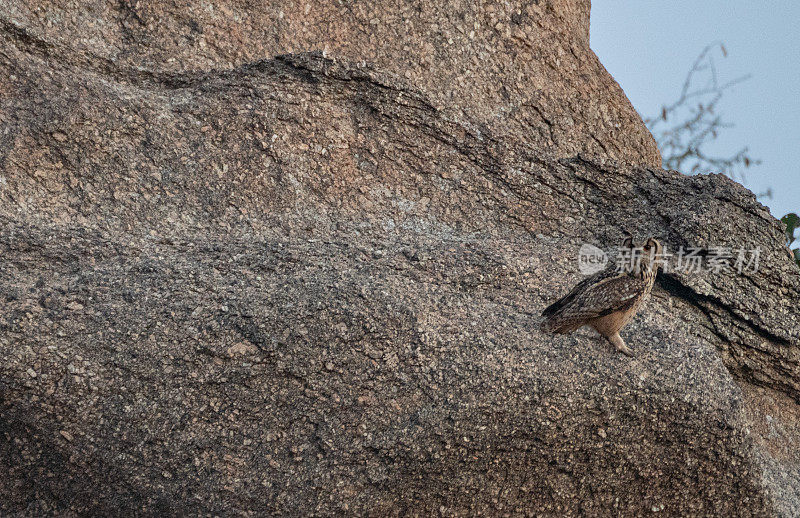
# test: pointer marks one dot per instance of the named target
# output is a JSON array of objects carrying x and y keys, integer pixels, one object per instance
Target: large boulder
[{"x": 289, "y": 258}]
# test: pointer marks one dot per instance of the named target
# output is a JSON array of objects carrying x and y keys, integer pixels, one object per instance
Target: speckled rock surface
[
  {"x": 239, "y": 283},
  {"x": 502, "y": 68}
]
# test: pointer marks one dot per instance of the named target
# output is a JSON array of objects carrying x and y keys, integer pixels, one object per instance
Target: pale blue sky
[{"x": 648, "y": 46}]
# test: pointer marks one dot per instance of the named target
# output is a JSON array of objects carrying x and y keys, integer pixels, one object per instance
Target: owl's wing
[
  {"x": 602, "y": 294},
  {"x": 579, "y": 288}
]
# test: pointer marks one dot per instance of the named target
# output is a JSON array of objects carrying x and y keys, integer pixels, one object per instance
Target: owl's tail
[{"x": 558, "y": 325}]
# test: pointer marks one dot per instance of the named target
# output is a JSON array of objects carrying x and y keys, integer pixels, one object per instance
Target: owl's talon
[
  {"x": 625, "y": 350},
  {"x": 616, "y": 340}
]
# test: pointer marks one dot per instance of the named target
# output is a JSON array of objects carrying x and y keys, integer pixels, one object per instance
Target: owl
[{"x": 609, "y": 299}]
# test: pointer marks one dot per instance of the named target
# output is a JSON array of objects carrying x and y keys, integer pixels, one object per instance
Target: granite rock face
[{"x": 289, "y": 258}]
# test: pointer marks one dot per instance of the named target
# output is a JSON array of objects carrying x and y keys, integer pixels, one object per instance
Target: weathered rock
[
  {"x": 233, "y": 283},
  {"x": 502, "y": 69}
]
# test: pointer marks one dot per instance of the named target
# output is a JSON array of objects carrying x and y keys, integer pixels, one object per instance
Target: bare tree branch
[{"x": 683, "y": 129}]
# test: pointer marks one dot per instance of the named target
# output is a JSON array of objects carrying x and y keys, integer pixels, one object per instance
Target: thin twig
[{"x": 691, "y": 127}]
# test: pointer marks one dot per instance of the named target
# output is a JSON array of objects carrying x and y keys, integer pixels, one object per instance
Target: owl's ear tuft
[
  {"x": 627, "y": 242},
  {"x": 652, "y": 244}
]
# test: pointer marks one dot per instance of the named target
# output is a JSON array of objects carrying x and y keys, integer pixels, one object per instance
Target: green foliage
[{"x": 792, "y": 222}]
